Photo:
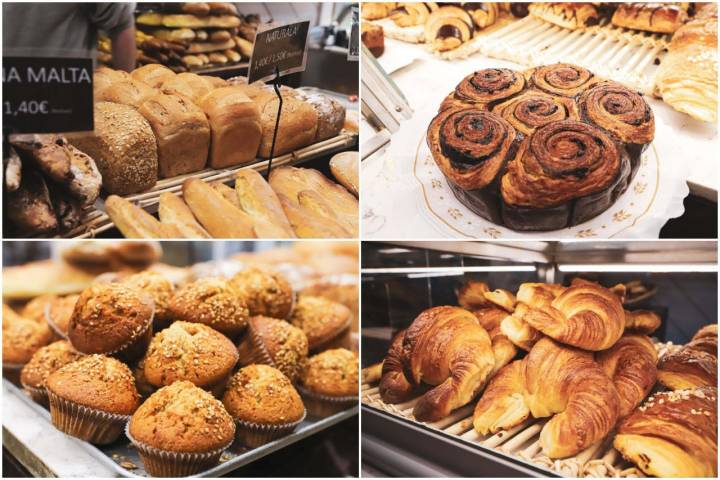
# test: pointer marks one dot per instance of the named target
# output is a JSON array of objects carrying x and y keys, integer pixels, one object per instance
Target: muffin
[
  {"x": 263, "y": 403},
  {"x": 58, "y": 314},
  {"x": 180, "y": 430},
  {"x": 92, "y": 398},
  {"x": 192, "y": 352},
  {"x": 112, "y": 318},
  {"x": 44, "y": 362},
  {"x": 330, "y": 382},
  {"x": 326, "y": 323},
  {"x": 35, "y": 308},
  {"x": 213, "y": 302},
  {"x": 276, "y": 343},
  {"x": 265, "y": 291},
  {"x": 21, "y": 338},
  {"x": 160, "y": 289}
]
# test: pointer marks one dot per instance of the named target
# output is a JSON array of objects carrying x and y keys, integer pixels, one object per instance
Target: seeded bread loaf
[
  {"x": 182, "y": 133},
  {"x": 123, "y": 147}
]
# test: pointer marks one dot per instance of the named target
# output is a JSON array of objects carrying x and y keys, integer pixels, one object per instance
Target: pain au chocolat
[{"x": 543, "y": 149}]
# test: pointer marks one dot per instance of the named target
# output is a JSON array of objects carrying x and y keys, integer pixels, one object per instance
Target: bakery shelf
[{"x": 102, "y": 457}]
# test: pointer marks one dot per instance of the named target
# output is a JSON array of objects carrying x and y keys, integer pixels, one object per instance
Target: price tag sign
[
  {"x": 47, "y": 95},
  {"x": 284, "y": 47},
  {"x": 354, "y": 45}
]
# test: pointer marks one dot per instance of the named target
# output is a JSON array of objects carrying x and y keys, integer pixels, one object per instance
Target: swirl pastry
[
  {"x": 411, "y": 14},
  {"x": 543, "y": 149}
]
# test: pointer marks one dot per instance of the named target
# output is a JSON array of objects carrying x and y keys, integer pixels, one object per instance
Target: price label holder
[
  {"x": 354, "y": 44},
  {"x": 47, "y": 95},
  {"x": 277, "y": 51}
]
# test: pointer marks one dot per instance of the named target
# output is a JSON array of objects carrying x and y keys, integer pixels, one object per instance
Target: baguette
[
  {"x": 219, "y": 216},
  {"x": 228, "y": 193},
  {"x": 187, "y": 21},
  {"x": 309, "y": 225},
  {"x": 205, "y": 47},
  {"x": 173, "y": 211},
  {"x": 134, "y": 222},
  {"x": 257, "y": 199}
]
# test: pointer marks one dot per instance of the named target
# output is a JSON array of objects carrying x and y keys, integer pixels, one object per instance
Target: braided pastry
[
  {"x": 674, "y": 434},
  {"x": 588, "y": 317},
  {"x": 543, "y": 149},
  {"x": 632, "y": 365}
]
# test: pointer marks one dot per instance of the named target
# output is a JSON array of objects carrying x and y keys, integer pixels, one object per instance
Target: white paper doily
[{"x": 655, "y": 195}]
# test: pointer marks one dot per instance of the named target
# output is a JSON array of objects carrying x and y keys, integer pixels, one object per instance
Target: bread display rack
[{"x": 120, "y": 453}]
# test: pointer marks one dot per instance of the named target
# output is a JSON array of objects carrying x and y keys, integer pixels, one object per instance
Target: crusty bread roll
[
  {"x": 134, "y": 222},
  {"x": 127, "y": 92},
  {"x": 245, "y": 47},
  {"x": 331, "y": 115},
  {"x": 154, "y": 19},
  {"x": 235, "y": 126},
  {"x": 223, "y": 8},
  {"x": 174, "y": 211},
  {"x": 192, "y": 60},
  {"x": 298, "y": 122},
  {"x": 123, "y": 147},
  {"x": 217, "y": 215},
  {"x": 205, "y": 47},
  {"x": 218, "y": 58},
  {"x": 152, "y": 74},
  {"x": 104, "y": 77},
  {"x": 182, "y": 133},
  {"x": 174, "y": 34},
  {"x": 220, "y": 36},
  {"x": 258, "y": 200},
  {"x": 190, "y": 85},
  {"x": 232, "y": 55},
  {"x": 195, "y": 8}
]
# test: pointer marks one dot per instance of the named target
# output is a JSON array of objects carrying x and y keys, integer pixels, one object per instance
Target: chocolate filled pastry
[
  {"x": 568, "y": 15},
  {"x": 539, "y": 150},
  {"x": 483, "y": 14},
  {"x": 411, "y": 14},
  {"x": 448, "y": 27},
  {"x": 651, "y": 17}
]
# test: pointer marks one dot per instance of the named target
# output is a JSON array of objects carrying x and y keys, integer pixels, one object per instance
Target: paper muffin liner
[
  {"x": 252, "y": 350},
  {"x": 85, "y": 423},
  {"x": 12, "y": 371},
  {"x": 165, "y": 463},
  {"x": 38, "y": 394},
  {"x": 54, "y": 326},
  {"x": 254, "y": 435},
  {"x": 319, "y": 405}
]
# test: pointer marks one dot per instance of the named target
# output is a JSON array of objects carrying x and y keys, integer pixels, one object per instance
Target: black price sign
[
  {"x": 354, "y": 44},
  {"x": 284, "y": 47},
  {"x": 47, "y": 95}
]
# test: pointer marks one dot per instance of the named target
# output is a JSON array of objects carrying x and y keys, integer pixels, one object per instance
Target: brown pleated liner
[
  {"x": 164, "y": 463},
  {"x": 252, "y": 350},
  {"x": 319, "y": 405},
  {"x": 12, "y": 371},
  {"x": 89, "y": 424},
  {"x": 256, "y": 434},
  {"x": 53, "y": 326},
  {"x": 38, "y": 394}
]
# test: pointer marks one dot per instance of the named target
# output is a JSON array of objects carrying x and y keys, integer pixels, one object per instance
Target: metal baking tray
[{"x": 233, "y": 458}]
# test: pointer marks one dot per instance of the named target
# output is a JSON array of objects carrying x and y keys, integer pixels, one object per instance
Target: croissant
[
  {"x": 674, "y": 434},
  {"x": 444, "y": 347},
  {"x": 642, "y": 321},
  {"x": 589, "y": 317},
  {"x": 503, "y": 349},
  {"x": 552, "y": 380},
  {"x": 694, "y": 365},
  {"x": 620, "y": 290},
  {"x": 536, "y": 295},
  {"x": 632, "y": 365},
  {"x": 474, "y": 295}
]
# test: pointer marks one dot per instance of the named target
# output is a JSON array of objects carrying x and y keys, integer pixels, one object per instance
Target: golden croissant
[{"x": 694, "y": 365}]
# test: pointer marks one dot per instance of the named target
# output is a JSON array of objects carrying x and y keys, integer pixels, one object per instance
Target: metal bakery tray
[{"x": 233, "y": 458}]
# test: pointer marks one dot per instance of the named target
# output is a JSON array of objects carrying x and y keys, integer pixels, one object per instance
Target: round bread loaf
[
  {"x": 213, "y": 302},
  {"x": 333, "y": 373},
  {"x": 123, "y": 147},
  {"x": 108, "y": 317},
  {"x": 97, "y": 382},
  {"x": 192, "y": 352},
  {"x": 45, "y": 361},
  {"x": 262, "y": 394},
  {"x": 265, "y": 291}
]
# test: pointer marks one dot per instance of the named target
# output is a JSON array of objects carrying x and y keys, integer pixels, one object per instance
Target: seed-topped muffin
[
  {"x": 92, "y": 398},
  {"x": 21, "y": 338},
  {"x": 213, "y": 302},
  {"x": 263, "y": 403},
  {"x": 326, "y": 323},
  {"x": 59, "y": 313},
  {"x": 192, "y": 352},
  {"x": 44, "y": 362},
  {"x": 160, "y": 289},
  {"x": 276, "y": 343},
  {"x": 265, "y": 291},
  {"x": 330, "y": 382},
  {"x": 180, "y": 430},
  {"x": 112, "y": 318},
  {"x": 35, "y": 308}
]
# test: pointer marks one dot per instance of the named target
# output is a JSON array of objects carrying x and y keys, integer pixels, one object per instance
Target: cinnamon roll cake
[{"x": 543, "y": 149}]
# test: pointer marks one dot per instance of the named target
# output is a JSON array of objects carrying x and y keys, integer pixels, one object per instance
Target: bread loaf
[
  {"x": 235, "y": 126},
  {"x": 195, "y": 8},
  {"x": 331, "y": 115},
  {"x": 173, "y": 211},
  {"x": 182, "y": 133},
  {"x": 127, "y": 92},
  {"x": 134, "y": 222},
  {"x": 187, "y": 21},
  {"x": 153, "y": 74},
  {"x": 298, "y": 122},
  {"x": 175, "y": 34},
  {"x": 258, "y": 200},
  {"x": 205, "y": 47},
  {"x": 190, "y": 85},
  {"x": 217, "y": 215},
  {"x": 123, "y": 147},
  {"x": 104, "y": 77}
]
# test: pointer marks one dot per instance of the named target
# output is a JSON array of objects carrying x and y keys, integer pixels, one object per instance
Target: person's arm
[{"x": 123, "y": 49}]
